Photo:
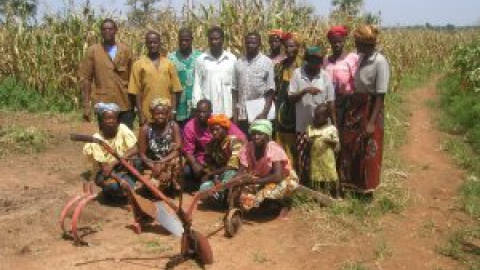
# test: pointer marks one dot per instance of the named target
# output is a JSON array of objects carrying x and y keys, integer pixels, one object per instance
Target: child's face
[
  {"x": 160, "y": 114},
  {"x": 321, "y": 115}
]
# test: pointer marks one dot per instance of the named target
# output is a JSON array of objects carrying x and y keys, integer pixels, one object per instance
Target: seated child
[
  {"x": 323, "y": 142},
  {"x": 121, "y": 139},
  {"x": 159, "y": 142}
]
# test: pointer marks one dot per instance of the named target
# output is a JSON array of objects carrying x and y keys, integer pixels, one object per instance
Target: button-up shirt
[
  {"x": 252, "y": 80},
  {"x": 373, "y": 75},
  {"x": 214, "y": 81},
  {"x": 109, "y": 77},
  {"x": 305, "y": 107}
]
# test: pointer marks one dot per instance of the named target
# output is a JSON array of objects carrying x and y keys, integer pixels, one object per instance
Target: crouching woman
[
  {"x": 121, "y": 139},
  {"x": 272, "y": 174},
  {"x": 221, "y": 154}
]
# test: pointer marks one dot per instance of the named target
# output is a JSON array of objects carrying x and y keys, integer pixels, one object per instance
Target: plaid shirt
[{"x": 252, "y": 80}]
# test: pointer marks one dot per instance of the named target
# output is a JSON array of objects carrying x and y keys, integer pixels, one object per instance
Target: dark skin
[
  {"x": 161, "y": 116},
  {"x": 260, "y": 142},
  {"x": 337, "y": 44},
  {"x": 185, "y": 44},
  {"x": 291, "y": 51},
  {"x": 215, "y": 43},
  {"x": 202, "y": 114},
  {"x": 252, "y": 49},
  {"x": 275, "y": 43},
  {"x": 367, "y": 50},
  {"x": 109, "y": 128},
  {"x": 108, "y": 32},
  {"x": 219, "y": 134},
  {"x": 313, "y": 66},
  {"x": 321, "y": 116},
  {"x": 153, "y": 44}
]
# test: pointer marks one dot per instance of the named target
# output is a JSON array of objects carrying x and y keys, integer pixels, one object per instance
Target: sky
[{"x": 393, "y": 12}]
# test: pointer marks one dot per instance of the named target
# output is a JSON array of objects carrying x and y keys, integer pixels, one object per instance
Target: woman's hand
[
  {"x": 312, "y": 90},
  {"x": 370, "y": 128}
]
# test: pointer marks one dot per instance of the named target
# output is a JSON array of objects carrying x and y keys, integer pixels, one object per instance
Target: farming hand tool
[{"x": 193, "y": 244}]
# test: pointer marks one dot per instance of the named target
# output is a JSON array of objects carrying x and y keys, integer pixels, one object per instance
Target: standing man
[
  {"x": 254, "y": 79},
  {"x": 107, "y": 67},
  {"x": 184, "y": 61},
  {"x": 153, "y": 76},
  {"x": 214, "y": 71}
]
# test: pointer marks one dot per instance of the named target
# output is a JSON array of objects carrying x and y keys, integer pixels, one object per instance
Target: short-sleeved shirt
[
  {"x": 373, "y": 75},
  {"x": 342, "y": 73},
  {"x": 151, "y": 82},
  {"x": 252, "y": 80},
  {"x": 305, "y": 107},
  {"x": 196, "y": 137},
  {"x": 214, "y": 81},
  {"x": 263, "y": 167},
  {"x": 123, "y": 141},
  {"x": 109, "y": 77},
  {"x": 186, "y": 72}
]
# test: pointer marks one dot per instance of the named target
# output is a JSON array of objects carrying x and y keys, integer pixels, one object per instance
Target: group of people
[{"x": 213, "y": 111}]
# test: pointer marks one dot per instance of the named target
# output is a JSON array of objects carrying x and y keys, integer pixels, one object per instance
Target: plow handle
[{"x": 83, "y": 138}]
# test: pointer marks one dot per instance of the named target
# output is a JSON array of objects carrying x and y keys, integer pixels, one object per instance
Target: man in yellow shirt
[{"x": 153, "y": 76}]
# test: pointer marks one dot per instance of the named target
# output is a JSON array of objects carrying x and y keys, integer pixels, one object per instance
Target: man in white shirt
[{"x": 214, "y": 75}]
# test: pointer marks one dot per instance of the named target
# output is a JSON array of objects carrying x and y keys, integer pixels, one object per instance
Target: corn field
[{"x": 45, "y": 56}]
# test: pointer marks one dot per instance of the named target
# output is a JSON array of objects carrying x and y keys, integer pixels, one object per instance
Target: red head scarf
[{"x": 337, "y": 30}]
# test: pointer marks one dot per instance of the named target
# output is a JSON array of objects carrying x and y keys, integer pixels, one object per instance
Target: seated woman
[
  {"x": 270, "y": 167},
  {"x": 121, "y": 139},
  {"x": 221, "y": 154},
  {"x": 159, "y": 142},
  {"x": 323, "y": 142}
]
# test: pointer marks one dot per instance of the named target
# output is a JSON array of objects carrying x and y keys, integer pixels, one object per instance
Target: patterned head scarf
[
  {"x": 366, "y": 34},
  {"x": 219, "y": 119},
  {"x": 159, "y": 102},
  {"x": 276, "y": 32},
  {"x": 263, "y": 126},
  {"x": 337, "y": 30},
  {"x": 101, "y": 108}
]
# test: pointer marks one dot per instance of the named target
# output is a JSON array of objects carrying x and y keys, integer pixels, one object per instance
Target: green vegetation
[
  {"x": 20, "y": 139},
  {"x": 460, "y": 103}
]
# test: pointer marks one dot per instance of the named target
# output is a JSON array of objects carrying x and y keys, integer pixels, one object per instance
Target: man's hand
[
  {"x": 312, "y": 90},
  {"x": 262, "y": 115},
  {"x": 87, "y": 115}
]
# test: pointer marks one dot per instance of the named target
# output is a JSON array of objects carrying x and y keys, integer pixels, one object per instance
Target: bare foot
[{"x": 284, "y": 213}]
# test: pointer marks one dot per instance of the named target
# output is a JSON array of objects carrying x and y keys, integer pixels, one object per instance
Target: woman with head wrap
[
  {"x": 221, "y": 153},
  {"x": 275, "y": 42},
  {"x": 285, "y": 119},
  {"x": 269, "y": 166},
  {"x": 159, "y": 142},
  {"x": 362, "y": 138},
  {"x": 121, "y": 139},
  {"x": 340, "y": 67},
  {"x": 309, "y": 87}
]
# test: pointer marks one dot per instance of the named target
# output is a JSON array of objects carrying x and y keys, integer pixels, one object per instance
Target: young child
[{"x": 323, "y": 143}]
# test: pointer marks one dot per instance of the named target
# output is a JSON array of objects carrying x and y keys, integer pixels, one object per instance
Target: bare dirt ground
[{"x": 33, "y": 188}]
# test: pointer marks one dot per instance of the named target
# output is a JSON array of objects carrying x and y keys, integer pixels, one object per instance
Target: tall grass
[{"x": 45, "y": 56}]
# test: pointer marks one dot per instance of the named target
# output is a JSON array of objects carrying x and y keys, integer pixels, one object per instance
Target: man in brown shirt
[{"x": 107, "y": 67}]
